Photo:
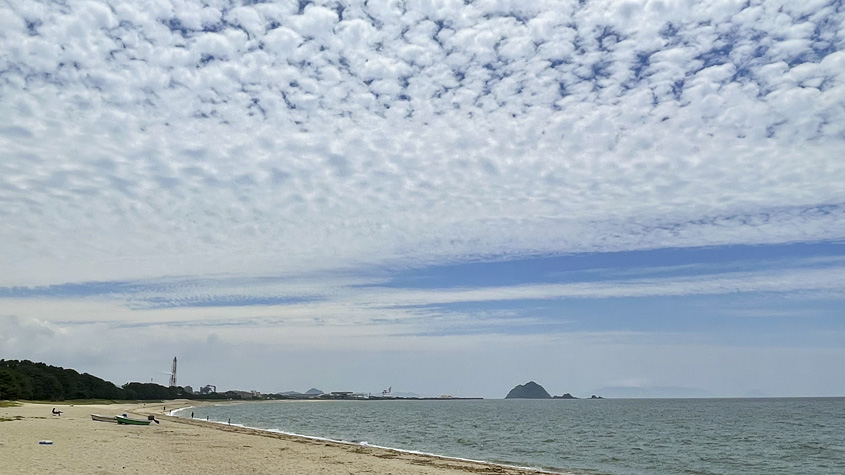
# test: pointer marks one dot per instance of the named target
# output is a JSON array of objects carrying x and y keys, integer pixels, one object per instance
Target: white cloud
[
  {"x": 417, "y": 133},
  {"x": 17, "y": 334}
]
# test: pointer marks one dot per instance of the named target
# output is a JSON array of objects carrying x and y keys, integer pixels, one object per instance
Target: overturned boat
[{"x": 100, "y": 418}]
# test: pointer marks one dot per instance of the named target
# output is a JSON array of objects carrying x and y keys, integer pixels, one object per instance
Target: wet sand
[{"x": 185, "y": 446}]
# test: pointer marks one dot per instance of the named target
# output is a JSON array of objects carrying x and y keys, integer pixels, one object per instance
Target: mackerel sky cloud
[{"x": 430, "y": 180}]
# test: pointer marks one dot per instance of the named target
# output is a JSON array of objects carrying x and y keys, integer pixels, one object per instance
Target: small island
[
  {"x": 529, "y": 390},
  {"x": 532, "y": 390}
]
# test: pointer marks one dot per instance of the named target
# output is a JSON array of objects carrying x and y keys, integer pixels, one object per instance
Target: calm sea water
[{"x": 618, "y": 437}]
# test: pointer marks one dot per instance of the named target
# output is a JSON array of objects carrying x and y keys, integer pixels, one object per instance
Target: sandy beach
[{"x": 183, "y": 446}]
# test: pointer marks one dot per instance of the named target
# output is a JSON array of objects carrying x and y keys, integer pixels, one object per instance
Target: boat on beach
[
  {"x": 131, "y": 421},
  {"x": 100, "y": 418}
]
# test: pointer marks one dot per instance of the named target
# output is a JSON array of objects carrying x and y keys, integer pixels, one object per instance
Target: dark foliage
[
  {"x": 151, "y": 391},
  {"x": 37, "y": 381}
]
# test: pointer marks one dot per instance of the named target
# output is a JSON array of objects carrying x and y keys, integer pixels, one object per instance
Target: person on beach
[
  {"x": 192, "y": 414},
  {"x": 56, "y": 413}
]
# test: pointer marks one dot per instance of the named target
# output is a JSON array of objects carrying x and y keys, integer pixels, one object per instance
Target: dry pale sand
[{"x": 182, "y": 446}]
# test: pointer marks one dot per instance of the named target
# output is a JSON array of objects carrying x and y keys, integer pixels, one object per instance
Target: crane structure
[{"x": 173, "y": 373}]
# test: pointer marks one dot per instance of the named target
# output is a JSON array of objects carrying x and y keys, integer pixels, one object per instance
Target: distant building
[
  {"x": 343, "y": 395},
  {"x": 208, "y": 389},
  {"x": 189, "y": 389},
  {"x": 247, "y": 394},
  {"x": 337, "y": 395}
]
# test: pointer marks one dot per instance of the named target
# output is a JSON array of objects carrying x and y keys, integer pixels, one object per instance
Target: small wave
[{"x": 405, "y": 451}]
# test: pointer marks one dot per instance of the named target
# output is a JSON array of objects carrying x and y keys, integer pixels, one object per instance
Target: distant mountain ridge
[{"x": 313, "y": 392}]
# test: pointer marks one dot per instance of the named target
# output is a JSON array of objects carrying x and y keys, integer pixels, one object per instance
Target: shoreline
[
  {"x": 186, "y": 446},
  {"x": 529, "y": 470}
]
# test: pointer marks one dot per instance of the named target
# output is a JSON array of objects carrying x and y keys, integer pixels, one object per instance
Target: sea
[{"x": 585, "y": 436}]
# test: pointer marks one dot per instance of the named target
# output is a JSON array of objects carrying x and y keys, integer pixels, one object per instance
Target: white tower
[{"x": 173, "y": 373}]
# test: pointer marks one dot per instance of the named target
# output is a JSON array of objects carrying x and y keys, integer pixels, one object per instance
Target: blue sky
[{"x": 440, "y": 196}]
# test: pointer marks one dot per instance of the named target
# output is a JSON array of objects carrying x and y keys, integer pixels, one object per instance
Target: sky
[{"x": 623, "y": 198}]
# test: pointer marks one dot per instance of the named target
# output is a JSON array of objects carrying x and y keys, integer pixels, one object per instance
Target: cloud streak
[{"x": 385, "y": 307}]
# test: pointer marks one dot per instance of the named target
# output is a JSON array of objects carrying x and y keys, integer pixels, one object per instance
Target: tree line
[{"x": 25, "y": 380}]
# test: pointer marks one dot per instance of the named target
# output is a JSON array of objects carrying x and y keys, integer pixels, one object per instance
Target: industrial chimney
[{"x": 173, "y": 374}]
